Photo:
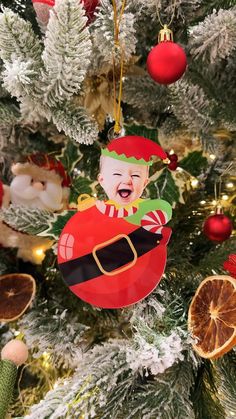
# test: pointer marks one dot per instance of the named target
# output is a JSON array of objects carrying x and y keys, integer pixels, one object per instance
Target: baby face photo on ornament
[{"x": 123, "y": 182}]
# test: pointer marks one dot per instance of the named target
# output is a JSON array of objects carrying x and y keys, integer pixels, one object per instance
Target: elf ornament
[
  {"x": 113, "y": 253},
  {"x": 166, "y": 63},
  {"x": 43, "y": 7},
  {"x": 218, "y": 227}
]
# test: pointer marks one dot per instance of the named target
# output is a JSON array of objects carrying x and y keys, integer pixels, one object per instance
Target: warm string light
[
  {"x": 194, "y": 182},
  {"x": 225, "y": 197},
  {"x": 39, "y": 254},
  {"x": 212, "y": 157},
  {"x": 229, "y": 185}
]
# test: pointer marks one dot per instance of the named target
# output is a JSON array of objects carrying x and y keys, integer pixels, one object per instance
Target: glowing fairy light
[
  {"x": 212, "y": 157},
  {"x": 225, "y": 197},
  {"x": 194, "y": 183}
]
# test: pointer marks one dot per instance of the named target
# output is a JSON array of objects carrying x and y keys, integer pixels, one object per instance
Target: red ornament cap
[
  {"x": 134, "y": 149},
  {"x": 165, "y": 34},
  {"x": 230, "y": 265}
]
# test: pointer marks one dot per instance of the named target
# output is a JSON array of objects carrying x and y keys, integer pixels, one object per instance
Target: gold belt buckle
[{"x": 113, "y": 240}]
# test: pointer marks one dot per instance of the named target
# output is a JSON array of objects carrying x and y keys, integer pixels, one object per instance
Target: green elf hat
[{"x": 135, "y": 149}]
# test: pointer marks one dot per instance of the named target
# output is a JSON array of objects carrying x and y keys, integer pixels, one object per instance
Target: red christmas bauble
[
  {"x": 218, "y": 227},
  {"x": 166, "y": 62}
]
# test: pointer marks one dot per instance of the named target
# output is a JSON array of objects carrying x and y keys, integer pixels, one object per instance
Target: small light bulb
[
  {"x": 214, "y": 202},
  {"x": 194, "y": 183},
  {"x": 229, "y": 185},
  {"x": 225, "y": 197},
  {"x": 38, "y": 254},
  {"x": 212, "y": 157},
  {"x": 202, "y": 202},
  {"x": 39, "y": 251}
]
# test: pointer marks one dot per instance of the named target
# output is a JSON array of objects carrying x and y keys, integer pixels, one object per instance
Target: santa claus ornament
[
  {"x": 43, "y": 7},
  {"x": 40, "y": 181},
  {"x": 166, "y": 63},
  {"x": 113, "y": 253}
]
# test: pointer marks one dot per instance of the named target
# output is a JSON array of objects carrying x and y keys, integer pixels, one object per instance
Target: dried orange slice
[
  {"x": 16, "y": 293},
  {"x": 212, "y": 316}
]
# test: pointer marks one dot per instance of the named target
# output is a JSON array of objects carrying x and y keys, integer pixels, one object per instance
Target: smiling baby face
[{"x": 123, "y": 182}]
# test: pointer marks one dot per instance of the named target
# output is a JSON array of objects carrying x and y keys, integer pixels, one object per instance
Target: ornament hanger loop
[{"x": 172, "y": 16}]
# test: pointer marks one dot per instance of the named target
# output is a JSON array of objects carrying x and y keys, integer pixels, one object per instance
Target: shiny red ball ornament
[
  {"x": 167, "y": 61},
  {"x": 218, "y": 227}
]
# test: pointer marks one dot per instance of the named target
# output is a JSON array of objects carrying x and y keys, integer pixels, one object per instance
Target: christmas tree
[{"x": 74, "y": 81}]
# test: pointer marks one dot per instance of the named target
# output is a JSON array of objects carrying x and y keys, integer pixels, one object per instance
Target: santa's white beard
[{"x": 23, "y": 193}]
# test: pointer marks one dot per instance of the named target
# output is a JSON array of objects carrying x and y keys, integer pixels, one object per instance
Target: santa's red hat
[
  {"x": 42, "y": 165},
  {"x": 135, "y": 149}
]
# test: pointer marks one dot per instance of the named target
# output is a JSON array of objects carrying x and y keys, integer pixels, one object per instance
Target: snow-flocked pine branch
[
  {"x": 75, "y": 122},
  {"x": 215, "y": 38},
  {"x": 67, "y": 51}
]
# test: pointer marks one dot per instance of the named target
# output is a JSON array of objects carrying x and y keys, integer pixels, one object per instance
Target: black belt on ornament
[{"x": 111, "y": 257}]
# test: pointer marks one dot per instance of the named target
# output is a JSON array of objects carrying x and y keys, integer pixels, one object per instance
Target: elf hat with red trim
[{"x": 135, "y": 149}]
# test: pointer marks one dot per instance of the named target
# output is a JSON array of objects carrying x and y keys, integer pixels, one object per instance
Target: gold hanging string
[
  {"x": 172, "y": 17},
  {"x": 117, "y": 104},
  {"x": 117, "y": 20}
]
